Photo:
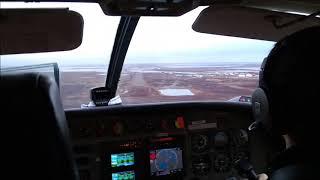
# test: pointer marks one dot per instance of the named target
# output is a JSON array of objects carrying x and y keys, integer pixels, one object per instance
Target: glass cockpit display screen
[
  {"x": 126, "y": 175},
  {"x": 122, "y": 159},
  {"x": 166, "y": 161}
]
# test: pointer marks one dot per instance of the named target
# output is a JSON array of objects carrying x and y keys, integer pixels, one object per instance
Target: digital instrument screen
[
  {"x": 122, "y": 159},
  {"x": 166, "y": 161},
  {"x": 126, "y": 175}
]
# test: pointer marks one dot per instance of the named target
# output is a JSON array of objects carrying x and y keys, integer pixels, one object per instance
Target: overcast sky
[{"x": 156, "y": 40}]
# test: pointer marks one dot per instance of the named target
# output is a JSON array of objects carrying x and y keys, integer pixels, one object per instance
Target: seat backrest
[{"x": 38, "y": 143}]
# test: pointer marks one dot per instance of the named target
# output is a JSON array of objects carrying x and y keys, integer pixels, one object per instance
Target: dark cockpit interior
[{"x": 183, "y": 140}]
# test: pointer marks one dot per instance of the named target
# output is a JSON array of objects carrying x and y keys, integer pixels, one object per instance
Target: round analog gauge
[
  {"x": 199, "y": 142},
  {"x": 201, "y": 165},
  {"x": 221, "y": 163},
  {"x": 243, "y": 137},
  {"x": 220, "y": 139}
]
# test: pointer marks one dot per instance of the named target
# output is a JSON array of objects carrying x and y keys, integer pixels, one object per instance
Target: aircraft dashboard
[{"x": 164, "y": 141}]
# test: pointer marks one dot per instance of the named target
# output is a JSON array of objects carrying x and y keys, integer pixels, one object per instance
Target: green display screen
[
  {"x": 126, "y": 175},
  {"x": 122, "y": 159}
]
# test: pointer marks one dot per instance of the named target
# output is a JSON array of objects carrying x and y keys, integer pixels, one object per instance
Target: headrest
[{"x": 39, "y": 146}]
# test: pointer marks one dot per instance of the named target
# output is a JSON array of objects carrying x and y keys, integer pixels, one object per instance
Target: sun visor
[
  {"x": 39, "y": 30},
  {"x": 250, "y": 23}
]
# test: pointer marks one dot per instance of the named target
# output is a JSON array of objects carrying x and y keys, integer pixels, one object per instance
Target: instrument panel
[{"x": 179, "y": 141}]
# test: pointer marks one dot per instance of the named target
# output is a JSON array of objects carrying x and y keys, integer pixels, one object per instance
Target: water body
[{"x": 176, "y": 92}]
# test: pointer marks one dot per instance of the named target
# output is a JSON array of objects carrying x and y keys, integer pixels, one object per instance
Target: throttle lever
[{"x": 245, "y": 166}]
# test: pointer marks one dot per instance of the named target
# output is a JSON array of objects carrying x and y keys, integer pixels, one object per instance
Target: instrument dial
[
  {"x": 222, "y": 163},
  {"x": 243, "y": 137},
  {"x": 199, "y": 143},
  {"x": 201, "y": 165},
  {"x": 221, "y": 139}
]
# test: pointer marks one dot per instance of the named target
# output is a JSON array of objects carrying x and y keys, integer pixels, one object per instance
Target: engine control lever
[{"x": 245, "y": 167}]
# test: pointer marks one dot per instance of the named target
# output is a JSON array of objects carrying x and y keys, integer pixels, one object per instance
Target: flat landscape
[{"x": 153, "y": 83}]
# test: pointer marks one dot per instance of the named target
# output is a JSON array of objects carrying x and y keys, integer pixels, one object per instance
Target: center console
[
  {"x": 190, "y": 144},
  {"x": 131, "y": 159}
]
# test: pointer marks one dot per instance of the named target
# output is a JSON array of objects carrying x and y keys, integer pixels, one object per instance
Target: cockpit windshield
[
  {"x": 80, "y": 69},
  {"x": 167, "y": 61}
]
